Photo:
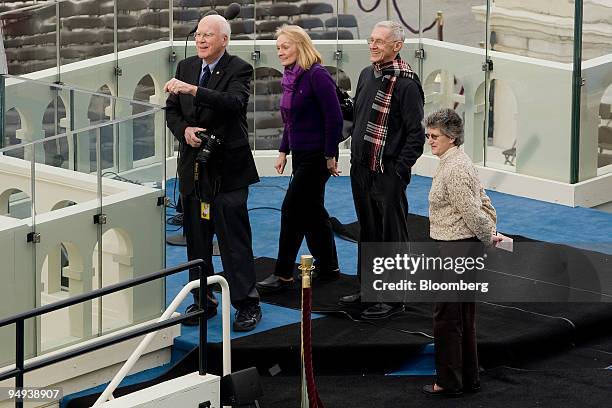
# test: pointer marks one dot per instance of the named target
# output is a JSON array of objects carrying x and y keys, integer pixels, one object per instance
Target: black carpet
[
  {"x": 540, "y": 337},
  {"x": 572, "y": 386},
  {"x": 536, "y": 270},
  {"x": 506, "y": 332},
  {"x": 501, "y": 387}
]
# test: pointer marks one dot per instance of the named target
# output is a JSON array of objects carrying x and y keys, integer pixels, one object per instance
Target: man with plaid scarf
[{"x": 387, "y": 139}]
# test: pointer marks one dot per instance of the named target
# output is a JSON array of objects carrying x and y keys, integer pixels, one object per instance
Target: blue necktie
[{"x": 205, "y": 77}]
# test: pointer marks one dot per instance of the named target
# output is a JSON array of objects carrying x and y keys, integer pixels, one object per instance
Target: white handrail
[{"x": 225, "y": 319}]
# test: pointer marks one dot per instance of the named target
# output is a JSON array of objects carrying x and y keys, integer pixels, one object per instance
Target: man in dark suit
[{"x": 210, "y": 92}]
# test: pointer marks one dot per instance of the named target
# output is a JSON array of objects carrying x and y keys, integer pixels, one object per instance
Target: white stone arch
[
  {"x": 117, "y": 266},
  {"x": 56, "y": 151},
  {"x": 5, "y": 204},
  {"x": 99, "y": 106},
  {"x": 62, "y": 204},
  {"x": 443, "y": 89},
  {"x": 99, "y": 110},
  {"x": 474, "y": 143},
  {"x": 143, "y": 129},
  {"x": 63, "y": 260},
  {"x": 505, "y": 115},
  {"x": 15, "y": 130},
  {"x": 53, "y": 268}
]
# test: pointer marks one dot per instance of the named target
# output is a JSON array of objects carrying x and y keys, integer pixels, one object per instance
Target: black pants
[
  {"x": 303, "y": 214},
  {"x": 454, "y": 327},
  {"x": 230, "y": 222},
  {"x": 381, "y": 206}
]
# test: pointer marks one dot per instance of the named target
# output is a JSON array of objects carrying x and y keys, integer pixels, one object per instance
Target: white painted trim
[{"x": 185, "y": 391}]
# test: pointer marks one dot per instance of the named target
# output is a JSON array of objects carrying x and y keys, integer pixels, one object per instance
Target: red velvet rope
[{"x": 313, "y": 395}]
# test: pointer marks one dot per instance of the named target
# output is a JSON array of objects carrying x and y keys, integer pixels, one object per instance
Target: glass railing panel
[
  {"x": 452, "y": 77},
  {"x": 530, "y": 132},
  {"x": 35, "y": 110},
  {"x": 29, "y": 33},
  {"x": 596, "y": 118},
  {"x": 18, "y": 273},
  {"x": 132, "y": 202},
  {"x": 596, "y": 112},
  {"x": 138, "y": 141},
  {"x": 66, "y": 202},
  {"x": 93, "y": 109},
  {"x": 266, "y": 92}
]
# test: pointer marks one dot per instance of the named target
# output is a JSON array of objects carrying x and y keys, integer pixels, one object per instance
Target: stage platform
[{"x": 394, "y": 354}]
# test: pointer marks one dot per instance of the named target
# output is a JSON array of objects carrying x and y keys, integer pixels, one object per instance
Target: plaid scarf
[{"x": 376, "y": 129}]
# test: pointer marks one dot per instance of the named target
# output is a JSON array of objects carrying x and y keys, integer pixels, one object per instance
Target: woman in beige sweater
[{"x": 459, "y": 212}]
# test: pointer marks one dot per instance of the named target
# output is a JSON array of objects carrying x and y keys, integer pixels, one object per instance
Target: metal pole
[
  {"x": 19, "y": 359},
  {"x": 2, "y": 113},
  {"x": 388, "y": 9},
  {"x": 487, "y": 80},
  {"x": 440, "y": 18},
  {"x": 58, "y": 41},
  {"x": 306, "y": 267},
  {"x": 577, "y": 83},
  {"x": 203, "y": 329}
]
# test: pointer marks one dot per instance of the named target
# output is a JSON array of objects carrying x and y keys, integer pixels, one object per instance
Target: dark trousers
[
  {"x": 381, "y": 206},
  {"x": 303, "y": 214},
  {"x": 454, "y": 327},
  {"x": 455, "y": 345},
  {"x": 230, "y": 222}
]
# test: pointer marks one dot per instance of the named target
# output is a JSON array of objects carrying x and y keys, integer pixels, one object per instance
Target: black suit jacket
[{"x": 221, "y": 109}]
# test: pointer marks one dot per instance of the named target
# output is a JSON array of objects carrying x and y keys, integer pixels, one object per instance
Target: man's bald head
[
  {"x": 212, "y": 37},
  {"x": 222, "y": 24}
]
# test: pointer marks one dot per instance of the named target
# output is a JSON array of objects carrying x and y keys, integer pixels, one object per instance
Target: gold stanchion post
[
  {"x": 440, "y": 18},
  {"x": 306, "y": 266}
]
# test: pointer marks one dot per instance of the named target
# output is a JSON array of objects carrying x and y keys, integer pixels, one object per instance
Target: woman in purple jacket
[{"x": 313, "y": 126}]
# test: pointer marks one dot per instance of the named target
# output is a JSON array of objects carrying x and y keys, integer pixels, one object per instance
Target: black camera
[{"x": 210, "y": 143}]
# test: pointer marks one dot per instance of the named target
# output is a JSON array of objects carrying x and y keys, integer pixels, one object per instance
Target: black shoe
[
  {"x": 211, "y": 311},
  {"x": 429, "y": 390},
  {"x": 472, "y": 389},
  {"x": 382, "y": 311},
  {"x": 274, "y": 284},
  {"x": 348, "y": 300},
  {"x": 177, "y": 219},
  {"x": 246, "y": 319}
]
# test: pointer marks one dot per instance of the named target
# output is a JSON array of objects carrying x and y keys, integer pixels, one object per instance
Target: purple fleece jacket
[{"x": 315, "y": 115}]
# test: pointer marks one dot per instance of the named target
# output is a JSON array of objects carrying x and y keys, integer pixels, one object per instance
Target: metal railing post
[
  {"x": 203, "y": 329},
  {"x": 577, "y": 83},
  {"x": 19, "y": 359}
]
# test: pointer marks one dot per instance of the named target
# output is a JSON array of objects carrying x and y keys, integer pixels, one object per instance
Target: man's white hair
[
  {"x": 224, "y": 25},
  {"x": 397, "y": 31}
]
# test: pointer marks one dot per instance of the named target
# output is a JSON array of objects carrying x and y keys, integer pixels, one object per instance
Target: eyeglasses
[
  {"x": 202, "y": 36},
  {"x": 379, "y": 43},
  {"x": 433, "y": 136}
]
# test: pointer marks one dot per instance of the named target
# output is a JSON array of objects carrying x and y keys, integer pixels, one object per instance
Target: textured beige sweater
[{"x": 458, "y": 206}]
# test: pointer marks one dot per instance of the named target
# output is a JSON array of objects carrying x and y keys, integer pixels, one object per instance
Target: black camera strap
[{"x": 206, "y": 198}]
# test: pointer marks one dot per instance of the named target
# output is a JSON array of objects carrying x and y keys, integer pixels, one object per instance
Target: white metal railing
[{"x": 107, "y": 394}]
